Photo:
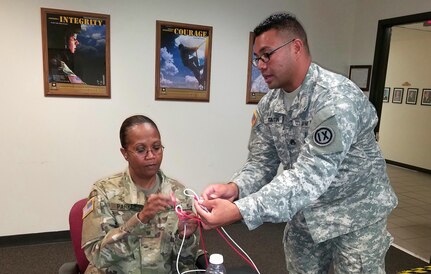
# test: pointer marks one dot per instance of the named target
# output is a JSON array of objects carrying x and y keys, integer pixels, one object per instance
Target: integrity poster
[{"x": 76, "y": 55}]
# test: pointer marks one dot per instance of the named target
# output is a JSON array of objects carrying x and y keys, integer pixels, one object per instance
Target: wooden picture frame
[
  {"x": 76, "y": 53},
  {"x": 426, "y": 97},
  {"x": 386, "y": 94},
  {"x": 397, "y": 96},
  {"x": 412, "y": 96},
  {"x": 183, "y": 61},
  {"x": 360, "y": 75},
  {"x": 256, "y": 85}
]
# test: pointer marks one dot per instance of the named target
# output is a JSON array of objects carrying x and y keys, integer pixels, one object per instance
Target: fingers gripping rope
[{"x": 184, "y": 216}]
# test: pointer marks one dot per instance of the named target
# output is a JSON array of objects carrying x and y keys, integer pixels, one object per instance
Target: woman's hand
[
  {"x": 155, "y": 203},
  {"x": 190, "y": 222}
]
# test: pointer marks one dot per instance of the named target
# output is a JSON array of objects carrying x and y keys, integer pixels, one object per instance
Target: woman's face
[
  {"x": 73, "y": 42},
  {"x": 144, "y": 151}
]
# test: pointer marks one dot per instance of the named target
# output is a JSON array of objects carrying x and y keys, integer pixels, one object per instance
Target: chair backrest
[{"x": 75, "y": 225}]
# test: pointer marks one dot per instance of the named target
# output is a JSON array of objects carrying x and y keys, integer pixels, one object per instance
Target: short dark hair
[
  {"x": 132, "y": 121},
  {"x": 283, "y": 22}
]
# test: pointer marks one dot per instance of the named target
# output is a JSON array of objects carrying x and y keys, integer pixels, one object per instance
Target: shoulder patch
[
  {"x": 88, "y": 208},
  {"x": 92, "y": 194},
  {"x": 254, "y": 118},
  {"x": 323, "y": 136}
]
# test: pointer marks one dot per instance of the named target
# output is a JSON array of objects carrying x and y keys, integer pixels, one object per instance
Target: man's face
[
  {"x": 144, "y": 151},
  {"x": 277, "y": 72},
  {"x": 73, "y": 43}
]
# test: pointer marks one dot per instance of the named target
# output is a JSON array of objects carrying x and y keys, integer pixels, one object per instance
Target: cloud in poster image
[
  {"x": 92, "y": 40},
  {"x": 167, "y": 65},
  {"x": 165, "y": 82},
  {"x": 259, "y": 85},
  {"x": 191, "y": 82},
  {"x": 168, "y": 68}
]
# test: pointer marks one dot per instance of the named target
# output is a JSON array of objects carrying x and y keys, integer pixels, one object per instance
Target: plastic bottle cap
[{"x": 216, "y": 259}]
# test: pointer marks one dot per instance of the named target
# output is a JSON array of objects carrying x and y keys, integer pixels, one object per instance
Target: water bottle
[{"x": 216, "y": 265}]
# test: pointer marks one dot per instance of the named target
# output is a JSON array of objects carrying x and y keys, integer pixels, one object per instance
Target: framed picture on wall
[
  {"x": 76, "y": 53},
  {"x": 426, "y": 97},
  {"x": 397, "y": 96},
  {"x": 183, "y": 61},
  {"x": 360, "y": 75},
  {"x": 412, "y": 96},
  {"x": 386, "y": 94},
  {"x": 256, "y": 85}
]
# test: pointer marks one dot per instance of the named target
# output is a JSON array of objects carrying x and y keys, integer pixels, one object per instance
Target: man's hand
[
  {"x": 221, "y": 212},
  {"x": 154, "y": 204},
  {"x": 223, "y": 191}
]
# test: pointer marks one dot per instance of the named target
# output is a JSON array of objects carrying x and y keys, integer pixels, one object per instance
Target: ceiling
[{"x": 416, "y": 26}]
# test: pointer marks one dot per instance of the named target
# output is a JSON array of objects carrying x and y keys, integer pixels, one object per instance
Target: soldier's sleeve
[
  {"x": 262, "y": 161},
  {"x": 190, "y": 248},
  {"x": 331, "y": 134},
  {"x": 103, "y": 240}
]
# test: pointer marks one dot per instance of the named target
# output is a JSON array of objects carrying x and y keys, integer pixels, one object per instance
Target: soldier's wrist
[
  {"x": 141, "y": 219},
  {"x": 235, "y": 190}
]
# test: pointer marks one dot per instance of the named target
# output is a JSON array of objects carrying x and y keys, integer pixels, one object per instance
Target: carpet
[{"x": 263, "y": 245}]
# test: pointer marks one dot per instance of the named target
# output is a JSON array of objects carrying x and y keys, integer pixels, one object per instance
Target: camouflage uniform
[
  {"x": 334, "y": 182},
  {"x": 114, "y": 239}
]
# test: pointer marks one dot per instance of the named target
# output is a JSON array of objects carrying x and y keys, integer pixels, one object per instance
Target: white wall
[
  {"x": 405, "y": 129},
  {"x": 367, "y": 15},
  {"x": 53, "y": 149}
]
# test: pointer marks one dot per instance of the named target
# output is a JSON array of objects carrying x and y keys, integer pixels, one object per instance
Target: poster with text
[
  {"x": 76, "y": 55},
  {"x": 183, "y": 61}
]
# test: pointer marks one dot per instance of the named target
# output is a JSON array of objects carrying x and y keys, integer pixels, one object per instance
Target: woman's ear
[{"x": 124, "y": 152}]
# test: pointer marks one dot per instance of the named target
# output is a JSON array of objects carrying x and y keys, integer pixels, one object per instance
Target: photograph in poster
[
  {"x": 76, "y": 53},
  {"x": 183, "y": 61},
  {"x": 256, "y": 85}
]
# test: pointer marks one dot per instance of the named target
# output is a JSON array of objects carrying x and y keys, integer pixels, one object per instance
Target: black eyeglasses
[{"x": 265, "y": 57}]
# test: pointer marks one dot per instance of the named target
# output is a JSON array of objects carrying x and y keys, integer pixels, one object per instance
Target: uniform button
[{"x": 292, "y": 142}]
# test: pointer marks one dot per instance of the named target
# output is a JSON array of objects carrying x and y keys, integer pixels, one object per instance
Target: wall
[
  {"x": 363, "y": 44},
  {"x": 405, "y": 129},
  {"x": 367, "y": 15},
  {"x": 53, "y": 149}
]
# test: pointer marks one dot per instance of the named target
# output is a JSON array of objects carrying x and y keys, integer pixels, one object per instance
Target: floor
[{"x": 410, "y": 222}]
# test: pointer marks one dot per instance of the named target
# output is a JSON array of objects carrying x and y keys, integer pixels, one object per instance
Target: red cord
[
  {"x": 235, "y": 249},
  {"x": 201, "y": 237},
  {"x": 182, "y": 216}
]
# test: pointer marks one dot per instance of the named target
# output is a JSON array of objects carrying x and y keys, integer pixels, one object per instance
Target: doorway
[{"x": 378, "y": 82}]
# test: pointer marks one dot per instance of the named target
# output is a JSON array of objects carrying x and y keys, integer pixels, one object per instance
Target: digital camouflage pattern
[
  {"x": 334, "y": 172},
  {"x": 116, "y": 242},
  {"x": 361, "y": 251}
]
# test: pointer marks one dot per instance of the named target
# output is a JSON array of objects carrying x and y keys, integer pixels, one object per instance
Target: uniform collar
[{"x": 302, "y": 100}]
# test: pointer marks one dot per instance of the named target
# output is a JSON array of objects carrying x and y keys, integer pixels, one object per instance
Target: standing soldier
[{"x": 334, "y": 191}]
